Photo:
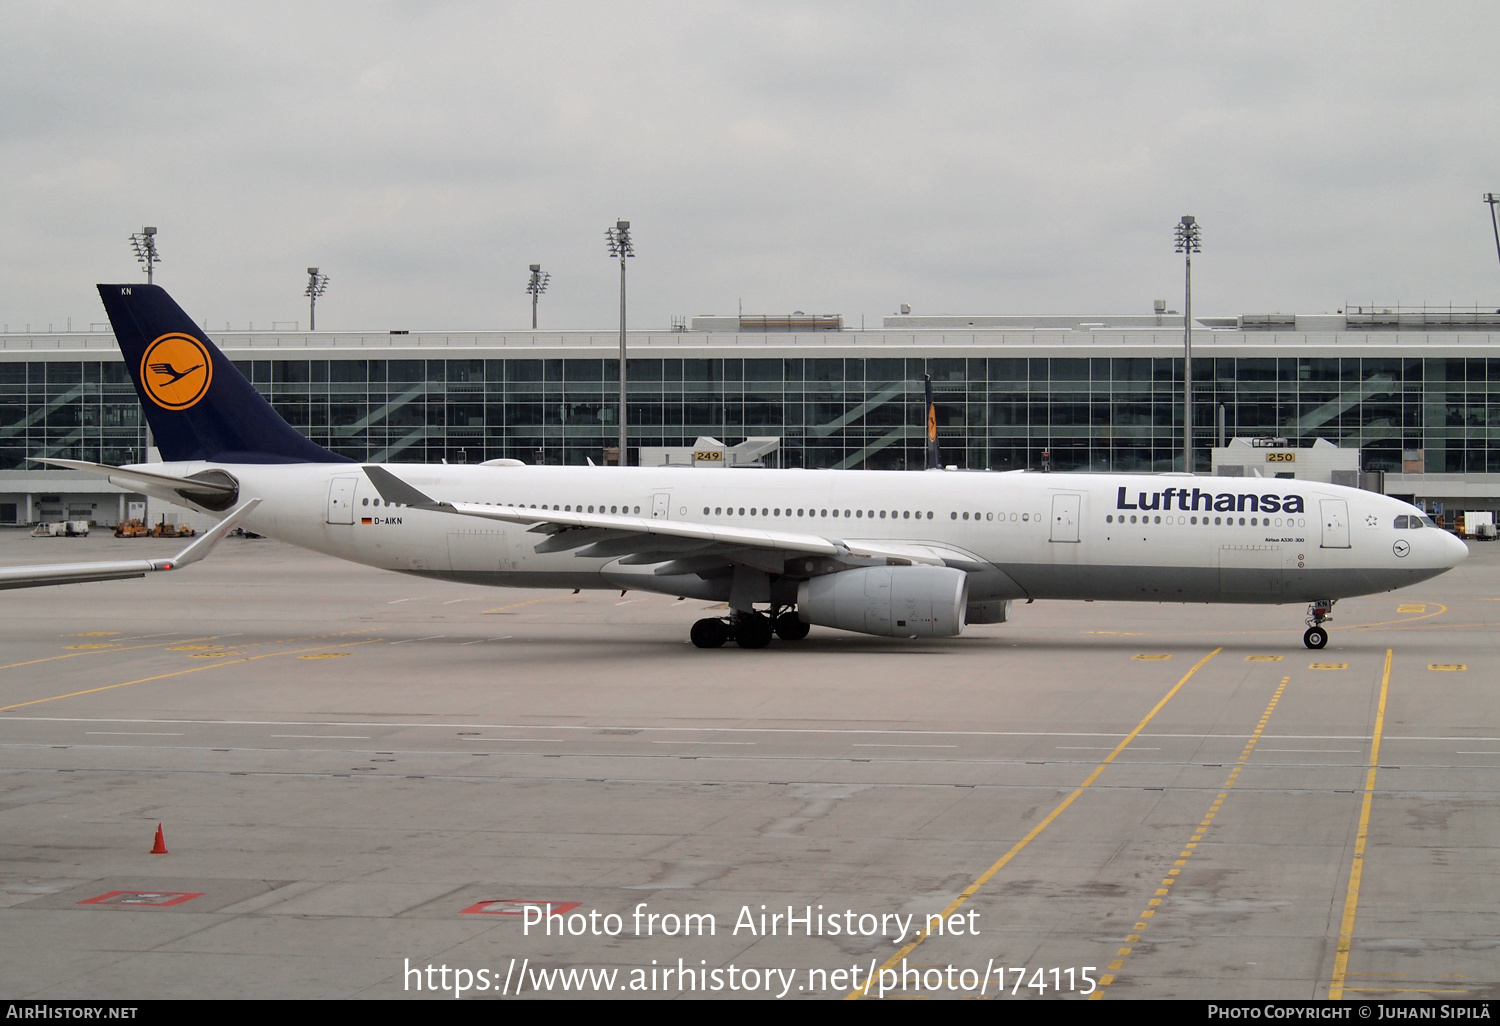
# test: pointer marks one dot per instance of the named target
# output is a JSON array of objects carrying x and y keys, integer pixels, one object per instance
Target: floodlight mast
[
  {"x": 317, "y": 284},
  {"x": 1187, "y": 244},
  {"x": 620, "y": 245},
  {"x": 535, "y": 287},
  {"x": 1492, "y": 198},
  {"x": 144, "y": 244}
]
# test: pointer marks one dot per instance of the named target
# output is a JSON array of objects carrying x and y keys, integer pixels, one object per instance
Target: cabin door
[
  {"x": 1065, "y": 517},
  {"x": 341, "y": 500},
  {"x": 1335, "y": 523}
]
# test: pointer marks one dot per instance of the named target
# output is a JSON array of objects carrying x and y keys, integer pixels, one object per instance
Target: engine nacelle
[
  {"x": 891, "y": 601},
  {"x": 994, "y": 611}
]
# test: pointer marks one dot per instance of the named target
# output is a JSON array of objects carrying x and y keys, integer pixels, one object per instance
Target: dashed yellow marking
[
  {"x": 95, "y": 634},
  {"x": 1412, "y": 607},
  {"x": 213, "y": 655},
  {"x": 1164, "y": 889},
  {"x": 1131, "y": 634},
  {"x": 94, "y": 645},
  {"x": 1000, "y": 863},
  {"x": 1447, "y": 666},
  {"x": 188, "y": 648},
  {"x": 325, "y": 655},
  {"x": 1328, "y": 666},
  {"x": 1400, "y": 990},
  {"x": 1152, "y": 656},
  {"x": 179, "y": 673},
  {"x": 1263, "y": 659},
  {"x": 1357, "y": 866}
]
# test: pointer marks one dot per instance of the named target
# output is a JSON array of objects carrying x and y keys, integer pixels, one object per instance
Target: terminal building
[{"x": 1415, "y": 391}]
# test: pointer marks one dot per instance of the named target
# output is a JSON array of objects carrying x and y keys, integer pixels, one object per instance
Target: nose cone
[{"x": 1455, "y": 550}]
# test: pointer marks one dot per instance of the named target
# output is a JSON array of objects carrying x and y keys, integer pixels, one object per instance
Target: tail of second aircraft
[
  {"x": 934, "y": 457},
  {"x": 198, "y": 405}
]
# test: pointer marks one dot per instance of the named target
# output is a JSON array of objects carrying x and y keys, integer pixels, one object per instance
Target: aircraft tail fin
[
  {"x": 934, "y": 457},
  {"x": 198, "y": 405}
]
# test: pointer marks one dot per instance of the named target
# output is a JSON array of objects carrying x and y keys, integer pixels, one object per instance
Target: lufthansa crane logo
[{"x": 176, "y": 371}]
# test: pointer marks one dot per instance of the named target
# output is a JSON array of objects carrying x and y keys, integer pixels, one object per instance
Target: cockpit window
[
  {"x": 1425, "y": 522},
  {"x": 1403, "y": 522}
]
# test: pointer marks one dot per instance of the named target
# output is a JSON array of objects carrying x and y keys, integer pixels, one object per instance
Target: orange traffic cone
[{"x": 160, "y": 847}]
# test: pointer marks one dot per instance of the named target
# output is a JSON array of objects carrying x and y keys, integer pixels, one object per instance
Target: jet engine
[{"x": 891, "y": 601}]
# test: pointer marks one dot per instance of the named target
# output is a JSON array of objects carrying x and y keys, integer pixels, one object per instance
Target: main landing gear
[
  {"x": 1317, "y": 612},
  {"x": 748, "y": 630}
]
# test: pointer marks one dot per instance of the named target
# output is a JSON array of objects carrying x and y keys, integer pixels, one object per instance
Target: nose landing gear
[{"x": 1316, "y": 635}]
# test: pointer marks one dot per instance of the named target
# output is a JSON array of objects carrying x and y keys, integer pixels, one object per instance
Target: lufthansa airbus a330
[{"x": 896, "y": 554}]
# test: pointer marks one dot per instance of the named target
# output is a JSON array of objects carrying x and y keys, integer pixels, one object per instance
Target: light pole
[
  {"x": 620, "y": 245},
  {"x": 144, "y": 243},
  {"x": 1491, "y": 198},
  {"x": 317, "y": 284},
  {"x": 535, "y": 287},
  {"x": 1187, "y": 245}
]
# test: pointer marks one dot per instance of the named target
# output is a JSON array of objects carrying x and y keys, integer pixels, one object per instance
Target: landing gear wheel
[
  {"x": 710, "y": 633},
  {"x": 752, "y": 631},
  {"x": 790, "y": 628},
  {"x": 1315, "y": 638}
]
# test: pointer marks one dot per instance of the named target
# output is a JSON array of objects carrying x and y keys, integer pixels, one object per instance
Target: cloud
[{"x": 844, "y": 158}]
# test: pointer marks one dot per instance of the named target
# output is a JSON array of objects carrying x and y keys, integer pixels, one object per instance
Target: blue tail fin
[{"x": 199, "y": 407}]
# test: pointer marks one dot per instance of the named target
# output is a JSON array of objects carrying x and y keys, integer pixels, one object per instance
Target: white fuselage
[{"x": 1173, "y": 538}]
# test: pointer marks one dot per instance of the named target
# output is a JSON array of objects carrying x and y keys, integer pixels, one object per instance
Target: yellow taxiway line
[
  {"x": 1357, "y": 867},
  {"x": 973, "y": 888}
]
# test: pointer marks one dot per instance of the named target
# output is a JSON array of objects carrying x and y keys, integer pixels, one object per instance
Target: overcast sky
[{"x": 831, "y": 158}]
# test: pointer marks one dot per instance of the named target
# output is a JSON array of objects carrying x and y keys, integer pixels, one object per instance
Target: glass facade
[{"x": 998, "y": 412}]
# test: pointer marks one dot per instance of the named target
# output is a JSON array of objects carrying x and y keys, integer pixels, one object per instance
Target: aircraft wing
[
  {"x": 643, "y": 541},
  {"x": 78, "y": 573}
]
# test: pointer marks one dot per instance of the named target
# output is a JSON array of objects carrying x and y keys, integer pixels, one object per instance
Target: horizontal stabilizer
[{"x": 134, "y": 475}]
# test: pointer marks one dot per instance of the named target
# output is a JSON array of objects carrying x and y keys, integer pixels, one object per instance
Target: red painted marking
[
  {"x": 516, "y": 907},
  {"x": 142, "y": 899}
]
